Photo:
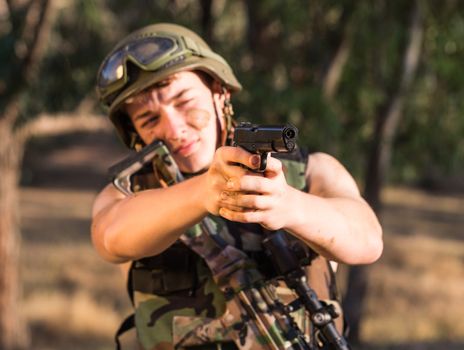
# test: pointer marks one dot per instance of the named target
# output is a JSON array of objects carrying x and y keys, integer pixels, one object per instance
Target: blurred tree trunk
[
  {"x": 23, "y": 47},
  {"x": 334, "y": 72},
  {"x": 207, "y": 21},
  {"x": 390, "y": 115},
  {"x": 261, "y": 43},
  {"x": 30, "y": 24},
  {"x": 13, "y": 333},
  {"x": 379, "y": 161}
]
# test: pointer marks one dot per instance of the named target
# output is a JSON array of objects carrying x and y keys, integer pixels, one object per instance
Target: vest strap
[{"x": 126, "y": 325}]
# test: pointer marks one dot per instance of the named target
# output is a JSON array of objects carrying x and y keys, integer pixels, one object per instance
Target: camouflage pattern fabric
[
  {"x": 155, "y": 315},
  {"x": 200, "y": 314}
]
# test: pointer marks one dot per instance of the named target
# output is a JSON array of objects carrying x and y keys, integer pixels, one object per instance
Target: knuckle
[
  {"x": 217, "y": 183},
  {"x": 215, "y": 165},
  {"x": 232, "y": 215},
  {"x": 220, "y": 156},
  {"x": 253, "y": 201},
  {"x": 240, "y": 182},
  {"x": 214, "y": 182},
  {"x": 247, "y": 182},
  {"x": 244, "y": 202},
  {"x": 257, "y": 184},
  {"x": 235, "y": 200},
  {"x": 249, "y": 216},
  {"x": 226, "y": 151},
  {"x": 235, "y": 171},
  {"x": 220, "y": 151},
  {"x": 267, "y": 186}
]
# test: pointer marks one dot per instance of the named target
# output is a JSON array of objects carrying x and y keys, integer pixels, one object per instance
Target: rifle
[
  {"x": 289, "y": 260},
  {"x": 248, "y": 296}
]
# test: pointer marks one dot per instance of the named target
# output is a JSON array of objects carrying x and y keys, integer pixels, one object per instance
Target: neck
[{"x": 190, "y": 175}]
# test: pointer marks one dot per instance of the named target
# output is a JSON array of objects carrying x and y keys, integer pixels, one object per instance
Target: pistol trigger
[{"x": 263, "y": 162}]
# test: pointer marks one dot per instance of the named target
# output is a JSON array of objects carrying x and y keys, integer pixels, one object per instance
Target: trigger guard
[{"x": 263, "y": 162}]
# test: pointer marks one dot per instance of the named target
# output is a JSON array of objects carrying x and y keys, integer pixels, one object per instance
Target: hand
[
  {"x": 224, "y": 169},
  {"x": 254, "y": 198}
]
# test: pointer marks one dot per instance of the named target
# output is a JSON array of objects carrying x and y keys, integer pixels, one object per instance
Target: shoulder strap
[
  {"x": 295, "y": 165},
  {"x": 130, "y": 285},
  {"x": 127, "y": 324},
  {"x": 129, "y": 321}
]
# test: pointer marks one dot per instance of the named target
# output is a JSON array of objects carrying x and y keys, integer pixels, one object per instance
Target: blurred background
[{"x": 378, "y": 84}]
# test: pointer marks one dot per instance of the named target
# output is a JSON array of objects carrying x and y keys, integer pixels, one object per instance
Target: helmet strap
[
  {"x": 136, "y": 142},
  {"x": 227, "y": 112}
]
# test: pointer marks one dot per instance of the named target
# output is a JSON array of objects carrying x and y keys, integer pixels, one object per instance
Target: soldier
[{"x": 163, "y": 82}]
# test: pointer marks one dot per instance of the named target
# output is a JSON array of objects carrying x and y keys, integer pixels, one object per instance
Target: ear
[
  {"x": 216, "y": 86},
  {"x": 220, "y": 95}
]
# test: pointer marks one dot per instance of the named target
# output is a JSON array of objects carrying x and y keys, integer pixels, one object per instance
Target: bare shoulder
[
  {"x": 108, "y": 196},
  {"x": 327, "y": 177}
]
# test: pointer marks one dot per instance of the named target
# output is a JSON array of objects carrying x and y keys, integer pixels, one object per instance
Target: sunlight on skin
[
  {"x": 198, "y": 118},
  {"x": 181, "y": 112}
]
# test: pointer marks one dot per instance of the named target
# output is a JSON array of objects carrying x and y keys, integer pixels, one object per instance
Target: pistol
[{"x": 263, "y": 139}]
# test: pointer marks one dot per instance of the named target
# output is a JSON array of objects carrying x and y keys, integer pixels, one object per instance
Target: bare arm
[
  {"x": 332, "y": 218},
  {"x": 343, "y": 227},
  {"x": 129, "y": 228}
]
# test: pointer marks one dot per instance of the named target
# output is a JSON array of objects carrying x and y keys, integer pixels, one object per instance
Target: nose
[{"x": 174, "y": 124}]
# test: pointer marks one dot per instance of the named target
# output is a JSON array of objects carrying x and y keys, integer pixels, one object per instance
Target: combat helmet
[{"x": 150, "y": 55}]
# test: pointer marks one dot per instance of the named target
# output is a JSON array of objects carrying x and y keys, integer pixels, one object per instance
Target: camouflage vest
[{"x": 176, "y": 301}]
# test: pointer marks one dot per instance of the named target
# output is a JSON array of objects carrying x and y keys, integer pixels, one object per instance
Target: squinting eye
[
  {"x": 150, "y": 121},
  {"x": 183, "y": 102}
]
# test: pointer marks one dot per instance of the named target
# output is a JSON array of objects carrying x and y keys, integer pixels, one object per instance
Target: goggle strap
[{"x": 192, "y": 45}]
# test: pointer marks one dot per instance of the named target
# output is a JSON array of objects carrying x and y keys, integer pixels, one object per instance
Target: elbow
[
  {"x": 119, "y": 247},
  {"x": 377, "y": 241},
  {"x": 111, "y": 245},
  {"x": 366, "y": 255},
  {"x": 376, "y": 249},
  {"x": 369, "y": 251},
  {"x": 105, "y": 242},
  {"x": 374, "y": 246}
]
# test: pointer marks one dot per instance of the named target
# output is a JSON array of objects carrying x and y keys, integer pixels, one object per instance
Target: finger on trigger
[{"x": 234, "y": 155}]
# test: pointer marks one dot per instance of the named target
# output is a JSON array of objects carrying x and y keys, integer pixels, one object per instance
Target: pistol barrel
[{"x": 266, "y": 138}]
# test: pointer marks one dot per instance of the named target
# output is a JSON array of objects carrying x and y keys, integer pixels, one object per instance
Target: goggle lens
[
  {"x": 144, "y": 52},
  {"x": 113, "y": 69},
  {"x": 149, "y": 50}
]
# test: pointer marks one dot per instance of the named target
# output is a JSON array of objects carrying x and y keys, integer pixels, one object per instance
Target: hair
[{"x": 207, "y": 79}]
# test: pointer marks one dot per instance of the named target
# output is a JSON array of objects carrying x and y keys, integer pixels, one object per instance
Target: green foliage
[
  {"x": 430, "y": 141},
  {"x": 281, "y": 52}
]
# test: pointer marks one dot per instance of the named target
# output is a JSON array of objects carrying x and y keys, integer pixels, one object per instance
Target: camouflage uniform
[
  {"x": 175, "y": 298},
  {"x": 176, "y": 301}
]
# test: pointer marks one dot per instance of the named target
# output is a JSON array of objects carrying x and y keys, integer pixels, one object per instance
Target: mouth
[{"x": 186, "y": 149}]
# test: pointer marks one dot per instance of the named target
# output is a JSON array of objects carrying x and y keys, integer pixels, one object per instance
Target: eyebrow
[
  {"x": 178, "y": 95},
  {"x": 168, "y": 100},
  {"x": 142, "y": 115}
]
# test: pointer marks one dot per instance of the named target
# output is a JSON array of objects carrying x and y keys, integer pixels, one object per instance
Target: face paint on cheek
[{"x": 198, "y": 118}]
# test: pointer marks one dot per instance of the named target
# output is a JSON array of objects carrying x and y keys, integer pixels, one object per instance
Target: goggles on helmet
[{"x": 150, "y": 52}]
